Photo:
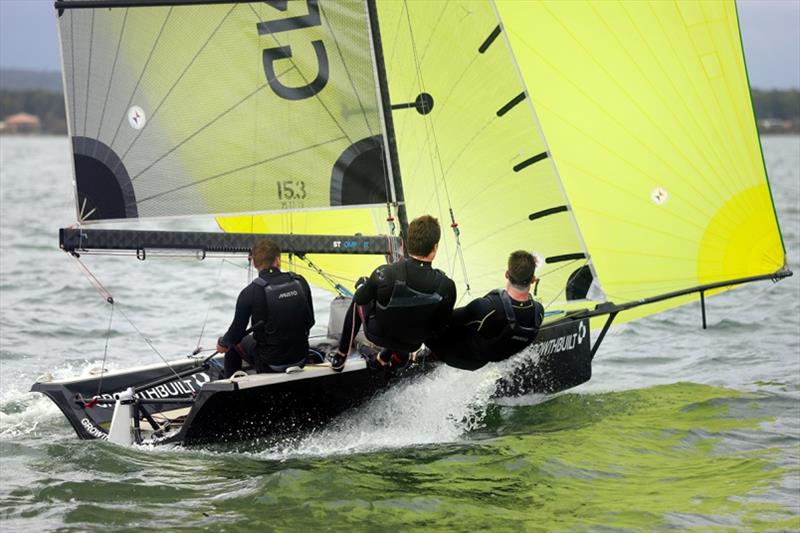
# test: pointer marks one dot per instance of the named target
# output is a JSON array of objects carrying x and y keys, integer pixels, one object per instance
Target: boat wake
[
  {"x": 23, "y": 412},
  {"x": 440, "y": 407}
]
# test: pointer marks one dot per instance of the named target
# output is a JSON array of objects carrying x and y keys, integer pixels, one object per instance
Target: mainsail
[{"x": 221, "y": 108}]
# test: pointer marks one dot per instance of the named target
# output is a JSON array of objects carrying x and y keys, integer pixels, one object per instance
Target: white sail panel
[{"x": 227, "y": 108}]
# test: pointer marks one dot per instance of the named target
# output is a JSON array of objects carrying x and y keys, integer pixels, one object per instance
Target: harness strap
[{"x": 511, "y": 317}]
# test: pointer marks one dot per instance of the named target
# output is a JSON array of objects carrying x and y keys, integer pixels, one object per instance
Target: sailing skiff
[{"x": 617, "y": 140}]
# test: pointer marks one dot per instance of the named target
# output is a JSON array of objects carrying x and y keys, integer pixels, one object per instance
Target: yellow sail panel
[
  {"x": 221, "y": 108},
  {"x": 478, "y": 152},
  {"x": 343, "y": 269},
  {"x": 647, "y": 112}
]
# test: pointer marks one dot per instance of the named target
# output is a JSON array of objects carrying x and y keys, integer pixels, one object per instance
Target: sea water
[{"x": 679, "y": 428}]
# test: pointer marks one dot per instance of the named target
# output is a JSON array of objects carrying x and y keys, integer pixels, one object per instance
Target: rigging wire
[
  {"x": 108, "y": 297},
  {"x": 208, "y": 309},
  {"x": 149, "y": 343},
  {"x": 437, "y": 156},
  {"x": 105, "y": 351},
  {"x": 338, "y": 287}
]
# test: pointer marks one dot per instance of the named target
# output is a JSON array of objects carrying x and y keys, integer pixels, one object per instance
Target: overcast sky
[{"x": 770, "y": 30}]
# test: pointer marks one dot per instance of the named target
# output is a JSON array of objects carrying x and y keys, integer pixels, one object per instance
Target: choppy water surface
[{"x": 679, "y": 429}]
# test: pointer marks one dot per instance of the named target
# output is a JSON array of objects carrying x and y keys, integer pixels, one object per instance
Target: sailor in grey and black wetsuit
[
  {"x": 496, "y": 326},
  {"x": 282, "y": 313},
  {"x": 402, "y": 304}
]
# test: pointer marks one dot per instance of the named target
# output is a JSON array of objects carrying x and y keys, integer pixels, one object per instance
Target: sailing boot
[{"x": 337, "y": 360}]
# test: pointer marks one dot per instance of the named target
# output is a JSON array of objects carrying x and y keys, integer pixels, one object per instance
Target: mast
[{"x": 386, "y": 112}]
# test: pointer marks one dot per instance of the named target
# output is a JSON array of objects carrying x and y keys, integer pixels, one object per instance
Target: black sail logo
[{"x": 271, "y": 56}]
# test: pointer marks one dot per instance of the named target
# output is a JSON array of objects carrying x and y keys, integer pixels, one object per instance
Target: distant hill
[
  {"x": 30, "y": 80},
  {"x": 40, "y": 93}
]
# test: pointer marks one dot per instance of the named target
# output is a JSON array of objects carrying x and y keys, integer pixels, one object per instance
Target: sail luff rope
[{"x": 437, "y": 155}]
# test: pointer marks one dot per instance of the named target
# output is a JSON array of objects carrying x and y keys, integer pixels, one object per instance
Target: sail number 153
[{"x": 291, "y": 189}]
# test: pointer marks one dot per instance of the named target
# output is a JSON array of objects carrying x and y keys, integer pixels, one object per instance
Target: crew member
[
  {"x": 496, "y": 326},
  {"x": 278, "y": 305},
  {"x": 401, "y": 304}
]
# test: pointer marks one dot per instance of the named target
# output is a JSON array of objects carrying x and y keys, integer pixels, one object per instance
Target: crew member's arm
[
  {"x": 368, "y": 291},
  {"x": 235, "y": 333},
  {"x": 304, "y": 283},
  {"x": 447, "y": 290}
]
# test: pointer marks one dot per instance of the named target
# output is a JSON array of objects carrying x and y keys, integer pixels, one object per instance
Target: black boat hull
[{"x": 204, "y": 408}]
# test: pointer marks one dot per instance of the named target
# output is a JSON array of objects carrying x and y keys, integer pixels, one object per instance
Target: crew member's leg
[
  {"x": 245, "y": 350},
  {"x": 233, "y": 361},
  {"x": 352, "y": 324}
]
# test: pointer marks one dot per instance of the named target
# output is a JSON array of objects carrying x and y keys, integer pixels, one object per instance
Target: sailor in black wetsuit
[
  {"x": 496, "y": 326},
  {"x": 279, "y": 306},
  {"x": 402, "y": 304}
]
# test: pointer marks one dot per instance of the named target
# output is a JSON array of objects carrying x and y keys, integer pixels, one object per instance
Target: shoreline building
[{"x": 20, "y": 123}]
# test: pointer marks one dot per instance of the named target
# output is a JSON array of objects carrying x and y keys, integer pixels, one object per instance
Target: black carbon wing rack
[{"x": 80, "y": 240}]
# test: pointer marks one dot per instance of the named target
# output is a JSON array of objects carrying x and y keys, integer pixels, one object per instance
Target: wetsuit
[
  {"x": 402, "y": 305},
  {"x": 281, "y": 301},
  {"x": 480, "y": 332}
]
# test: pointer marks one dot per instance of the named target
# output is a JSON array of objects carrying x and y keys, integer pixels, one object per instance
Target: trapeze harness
[
  {"x": 409, "y": 314},
  {"x": 514, "y": 336},
  {"x": 283, "y": 328}
]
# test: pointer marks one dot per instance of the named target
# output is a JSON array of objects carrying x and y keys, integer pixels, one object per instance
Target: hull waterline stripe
[
  {"x": 510, "y": 105},
  {"x": 530, "y": 161},
  {"x": 545, "y": 212},
  {"x": 489, "y": 40}
]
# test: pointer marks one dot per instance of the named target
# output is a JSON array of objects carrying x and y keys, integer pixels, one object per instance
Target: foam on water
[
  {"x": 22, "y": 412},
  {"x": 442, "y": 406},
  {"x": 436, "y": 408}
]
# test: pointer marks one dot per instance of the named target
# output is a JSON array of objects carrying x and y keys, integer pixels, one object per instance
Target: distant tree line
[
  {"x": 48, "y": 106},
  {"x": 775, "y": 104},
  {"x": 777, "y": 110}
]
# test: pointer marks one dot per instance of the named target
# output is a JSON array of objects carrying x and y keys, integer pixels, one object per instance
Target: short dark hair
[
  {"x": 423, "y": 235},
  {"x": 264, "y": 253},
  {"x": 521, "y": 267}
]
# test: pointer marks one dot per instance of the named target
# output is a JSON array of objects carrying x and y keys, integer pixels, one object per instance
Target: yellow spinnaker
[{"x": 646, "y": 109}]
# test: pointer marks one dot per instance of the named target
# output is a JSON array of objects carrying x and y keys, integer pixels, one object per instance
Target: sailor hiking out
[
  {"x": 496, "y": 326},
  {"x": 402, "y": 304},
  {"x": 279, "y": 306}
]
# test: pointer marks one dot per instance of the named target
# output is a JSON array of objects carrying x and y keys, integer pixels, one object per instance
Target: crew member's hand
[
  {"x": 221, "y": 348},
  {"x": 361, "y": 281}
]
